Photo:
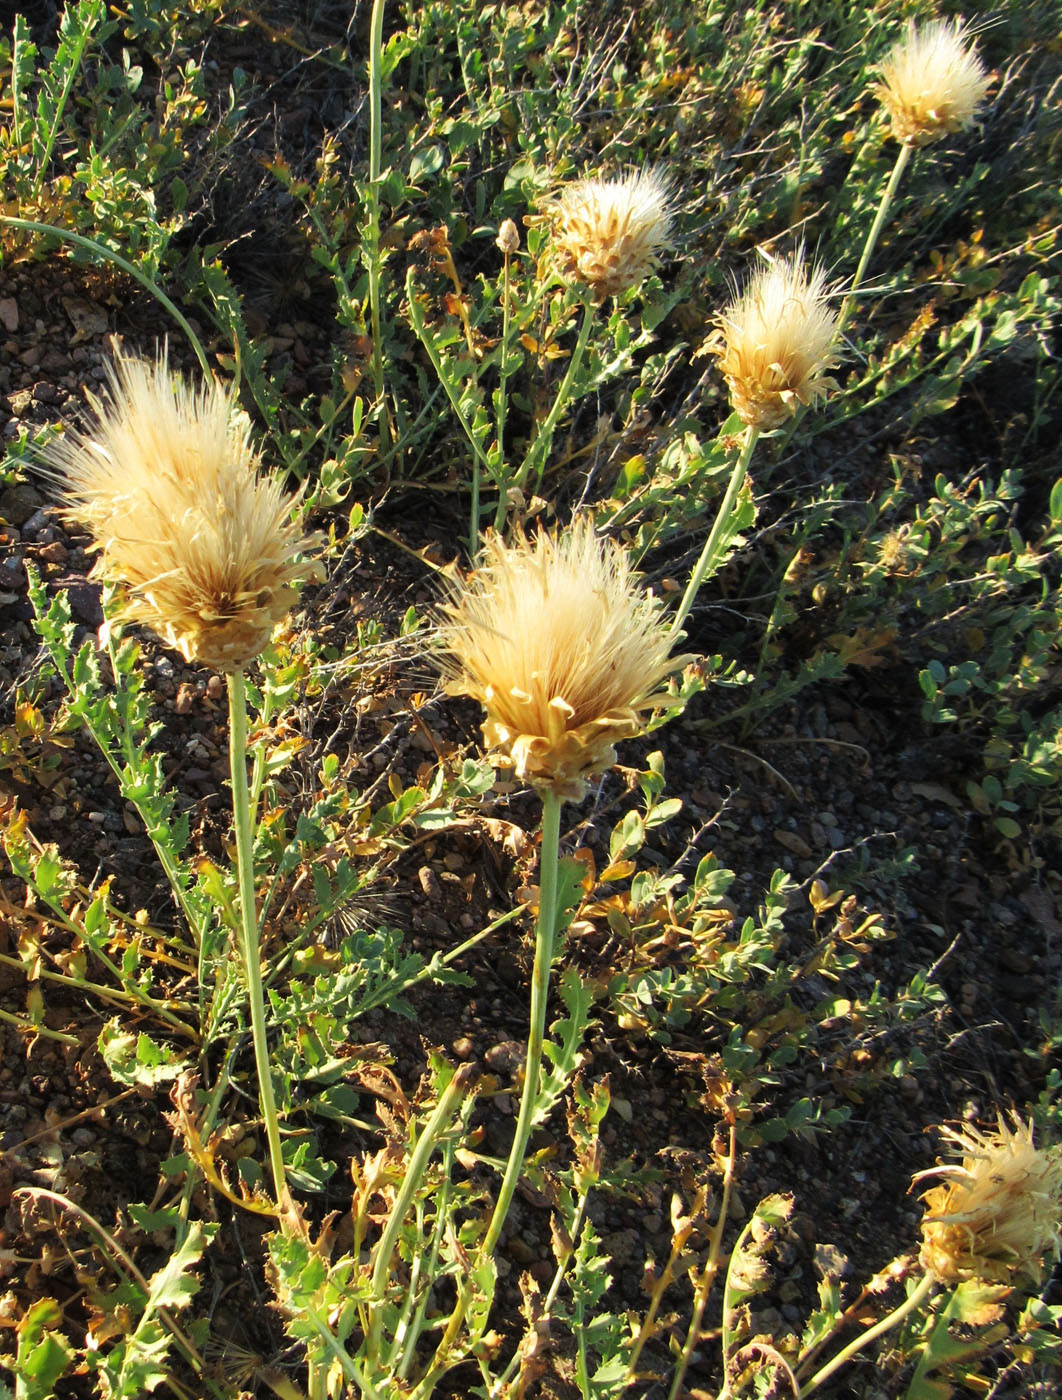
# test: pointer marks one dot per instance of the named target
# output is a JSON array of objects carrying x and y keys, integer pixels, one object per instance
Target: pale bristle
[
  {"x": 608, "y": 234},
  {"x": 996, "y": 1214},
  {"x": 563, "y": 649},
  {"x": 168, "y": 484},
  {"x": 932, "y": 82},
  {"x": 777, "y": 342}
]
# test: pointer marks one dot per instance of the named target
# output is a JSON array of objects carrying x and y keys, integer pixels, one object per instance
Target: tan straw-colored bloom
[
  {"x": 609, "y": 234},
  {"x": 997, "y": 1212},
  {"x": 932, "y": 82},
  {"x": 168, "y": 483},
  {"x": 776, "y": 343},
  {"x": 563, "y": 649}
]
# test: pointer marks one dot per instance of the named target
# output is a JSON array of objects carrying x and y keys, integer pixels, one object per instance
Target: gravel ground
[{"x": 844, "y": 772}]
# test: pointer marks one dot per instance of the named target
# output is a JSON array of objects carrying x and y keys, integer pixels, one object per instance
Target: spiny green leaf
[{"x": 137, "y": 1059}]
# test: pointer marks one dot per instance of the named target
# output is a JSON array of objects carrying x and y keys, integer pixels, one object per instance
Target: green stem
[
  {"x": 73, "y": 65},
  {"x": 703, "y": 1287},
  {"x": 103, "y": 251},
  {"x": 241, "y": 813},
  {"x": 22, "y": 1023},
  {"x": 117, "y": 994},
  {"x": 708, "y": 561},
  {"x": 437, "y": 1124},
  {"x": 539, "y": 449},
  {"x": 411, "y": 1323},
  {"x": 875, "y": 230},
  {"x": 503, "y": 399},
  {"x": 554, "y": 1288},
  {"x": 549, "y": 865},
  {"x": 544, "y": 938},
  {"x": 372, "y": 248},
  {"x": 365, "y": 1390},
  {"x": 925, "y": 1287},
  {"x": 473, "y": 512}
]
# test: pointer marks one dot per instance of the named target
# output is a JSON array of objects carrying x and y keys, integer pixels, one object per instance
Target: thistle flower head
[
  {"x": 996, "y": 1214},
  {"x": 609, "y": 234},
  {"x": 776, "y": 343},
  {"x": 168, "y": 484},
  {"x": 932, "y": 82},
  {"x": 562, "y": 648}
]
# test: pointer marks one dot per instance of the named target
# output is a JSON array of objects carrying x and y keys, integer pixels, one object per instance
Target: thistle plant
[
  {"x": 993, "y": 1220},
  {"x": 567, "y": 656},
  {"x": 206, "y": 554},
  {"x": 997, "y": 1212},
  {"x": 606, "y": 236},
  {"x": 593, "y": 240},
  {"x": 932, "y": 83},
  {"x": 776, "y": 343}
]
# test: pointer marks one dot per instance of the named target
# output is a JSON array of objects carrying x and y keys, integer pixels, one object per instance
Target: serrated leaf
[
  {"x": 137, "y": 1059},
  {"x": 43, "y": 1354},
  {"x": 173, "y": 1286}
]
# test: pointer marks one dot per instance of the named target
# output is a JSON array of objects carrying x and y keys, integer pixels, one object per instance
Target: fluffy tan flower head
[
  {"x": 563, "y": 649},
  {"x": 932, "y": 82},
  {"x": 997, "y": 1212},
  {"x": 776, "y": 343},
  {"x": 168, "y": 484},
  {"x": 609, "y": 234}
]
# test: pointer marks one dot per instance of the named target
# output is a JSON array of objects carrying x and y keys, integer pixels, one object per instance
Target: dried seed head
[
  {"x": 508, "y": 239},
  {"x": 776, "y": 342},
  {"x": 996, "y": 1215},
  {"x": 562, "y": 648},
  {"x": 168, "y": 484},
  {"x": 609, "y": 234},
  {"x": 932, "y": 82}
]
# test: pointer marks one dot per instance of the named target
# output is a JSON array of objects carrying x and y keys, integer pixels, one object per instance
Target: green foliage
[
  {"x": 139, "y": 1362},
  {"x": 43, "y": 1354},
  {"x": 956, "y": 1337},
  {"x": 87, "y": 149},
  {"x": 454, "y": 368}
]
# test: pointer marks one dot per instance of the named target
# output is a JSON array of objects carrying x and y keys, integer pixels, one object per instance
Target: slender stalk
[
  {"x": 554, "y": 1288},
  {"x": 316, "y": 1378},
  {"x": 473, "y": 512},
  {"x": 539, "y": 449},
  {"x": 545, "y": 935},
  {"x": 365, "y": 1390},
  {"x": 703, "y": 1288},
  {"x": 73, "y": 65},
  {"x": 101, "y": 250},
  {"x": 241, "y": 813},
  {"x": 115, "y": 995},
  {"x": 436, "y": 1125},
  {"x": 411, "y": 1324},
  {"x": 875, "y": 231},
  {"x": 708, "y": 561},
  {"x": 372, "y": 243},
  {"x": 663, "y": 1282},
  {"x": 503, "y": 396},
  {"x": 24, "y": 1024},
  {"x": 925, "y": 1287},
  {"x": 114, "y": 1248}
]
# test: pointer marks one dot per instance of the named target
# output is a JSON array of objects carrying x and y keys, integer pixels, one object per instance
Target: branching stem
[
  {"x": 545, "y": 935},
  {"x": 249, "y": 949},
  {"x": 539, "y": 450},
  {"x": 875, "y": 231},
  {"x": 923, "y": 1290},
  {"x": 708, "y": 563}
]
